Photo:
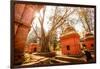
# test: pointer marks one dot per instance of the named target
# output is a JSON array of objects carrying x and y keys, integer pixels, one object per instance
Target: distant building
[
  {"x": 70, "y": 42},
  {"x": 32, "y": 47},
  {"x": 88, "y": 41}
]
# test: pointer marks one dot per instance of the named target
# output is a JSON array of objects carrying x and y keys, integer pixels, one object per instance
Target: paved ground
[{"x": 34, "y": 59}]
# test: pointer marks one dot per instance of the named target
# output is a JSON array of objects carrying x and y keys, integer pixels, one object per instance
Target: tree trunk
[{"x": 45, "y": 45}]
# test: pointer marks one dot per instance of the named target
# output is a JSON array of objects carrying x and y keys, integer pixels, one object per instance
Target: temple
[
  {"x": 88, "y": 41},
  {"x": 70, "y": 42}
]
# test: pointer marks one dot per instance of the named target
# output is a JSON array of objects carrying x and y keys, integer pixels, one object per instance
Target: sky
[{"x": 50, "y": 12}]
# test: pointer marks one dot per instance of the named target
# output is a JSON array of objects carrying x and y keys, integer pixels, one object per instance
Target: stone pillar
[{"x": 23, "y": 19}]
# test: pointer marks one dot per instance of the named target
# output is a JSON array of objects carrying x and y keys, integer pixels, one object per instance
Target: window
[
  {"x": 84, "y": 45},
  {"x": 68, "y": 47},
  {"x": 92, "y": 45},
  {"x": 35, "y": 49}
]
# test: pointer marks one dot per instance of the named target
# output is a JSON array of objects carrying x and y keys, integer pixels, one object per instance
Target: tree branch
[
  {"x": 35, "y": 32},
  {"x": 59, "y": 21}
]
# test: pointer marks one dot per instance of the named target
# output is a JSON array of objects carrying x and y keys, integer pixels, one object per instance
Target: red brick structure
[
  {"x": 32, "y": 48},
  {"x": 70, "y": 42},
  {"x": 23, "y": 16},
  {"x": 88, "y": 41}
]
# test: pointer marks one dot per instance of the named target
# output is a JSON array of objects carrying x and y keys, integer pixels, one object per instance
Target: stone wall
[{"x": 23, "y": 16}]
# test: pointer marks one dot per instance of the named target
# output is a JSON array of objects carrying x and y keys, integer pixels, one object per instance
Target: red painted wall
[
  {"x": 31, "y": 48},
  {"x": 73, "y": 40},
  {"x": 88, "y": 43},
  {"x": 22, "y": 20}
]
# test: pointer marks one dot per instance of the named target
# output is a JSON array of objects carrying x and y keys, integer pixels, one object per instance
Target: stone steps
[
  {"x": 70, "y": 59},
  {"x": 59, "y": 61}
]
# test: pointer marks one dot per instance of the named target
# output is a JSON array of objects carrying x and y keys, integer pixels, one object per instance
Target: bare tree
[
  {"x": 86, "y": 16},
  {"x": 57, "y": 21}
]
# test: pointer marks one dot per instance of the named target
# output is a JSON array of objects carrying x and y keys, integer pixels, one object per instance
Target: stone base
[
  {"x": 18, "y": 58},
  {"x": 75, "y": 55},
  {"x": 47, "y": 54}
]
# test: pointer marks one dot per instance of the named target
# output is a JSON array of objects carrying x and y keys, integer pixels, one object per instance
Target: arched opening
[
  {"x": 68, "y": 47},
  {"x": 23, "y": 17},
  {"x": 35, "y": 49}
]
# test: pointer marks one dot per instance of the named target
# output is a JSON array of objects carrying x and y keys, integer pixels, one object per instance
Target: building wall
[
  {"x": 33, "y": 48},
  {"x": 74, "y": 42},
  {"x": 23, "y": 16},
  {"x": 88, "y": 43}
]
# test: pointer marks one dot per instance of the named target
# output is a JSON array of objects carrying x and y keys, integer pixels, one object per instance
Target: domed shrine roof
[
  {"x": 69, "y": 31},
  {"x": 88, "y": 35}
]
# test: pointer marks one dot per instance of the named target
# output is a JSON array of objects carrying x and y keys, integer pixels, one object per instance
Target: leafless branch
[
  {"x": 35, "y": 32},
  {"x": 59, "y": 23}
]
